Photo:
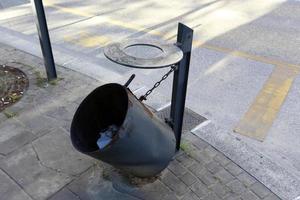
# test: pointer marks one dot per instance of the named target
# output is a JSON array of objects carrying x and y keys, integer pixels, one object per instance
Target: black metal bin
[{"x": 143, "y": 144}]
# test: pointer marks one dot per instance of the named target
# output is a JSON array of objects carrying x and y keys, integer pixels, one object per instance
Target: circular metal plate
[{"x": 170, "y": 54}]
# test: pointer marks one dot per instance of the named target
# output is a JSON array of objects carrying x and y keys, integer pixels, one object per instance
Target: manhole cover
[{"x": 13, "y": 83}]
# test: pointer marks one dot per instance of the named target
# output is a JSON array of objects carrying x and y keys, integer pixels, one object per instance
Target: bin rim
[{"x": 77, "y": 113}]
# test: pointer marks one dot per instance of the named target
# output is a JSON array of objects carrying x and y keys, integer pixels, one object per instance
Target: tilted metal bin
[{"x": 143, "y": 144}]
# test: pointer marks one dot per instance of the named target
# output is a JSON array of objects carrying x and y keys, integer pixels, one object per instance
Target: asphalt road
[{"x": 244, "y": 68}]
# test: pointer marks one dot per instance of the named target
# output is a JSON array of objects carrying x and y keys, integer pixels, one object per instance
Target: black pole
[
  {"x": 180, "y": 80},
  {"x": 42, "y": 28}
]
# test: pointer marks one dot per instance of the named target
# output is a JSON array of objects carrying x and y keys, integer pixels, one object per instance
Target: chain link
[{"x": 156, "y": 85}]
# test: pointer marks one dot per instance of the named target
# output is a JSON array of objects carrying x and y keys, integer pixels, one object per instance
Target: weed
[
  {"x": 40, "y": 80},
  {"x": 185, "y": 146},
  {"x": 9, "y": 114}
]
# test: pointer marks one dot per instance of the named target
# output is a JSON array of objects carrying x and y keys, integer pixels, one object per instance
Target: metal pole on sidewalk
[
  {"x": 42, "y": 28},
  {"x": 180, "y": 81}
]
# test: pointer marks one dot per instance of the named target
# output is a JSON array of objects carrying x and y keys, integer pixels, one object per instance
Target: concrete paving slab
[
  {"x": 10, "y": 190},
  {"x": 155, "y": 189},
  {"x": 64, "y": 194},
  {"x": 13, "y": 136},
  {"x": 37, "y": 179},
  {"x": 91, "y": 185},
  {"x": 56, "y": 151}
]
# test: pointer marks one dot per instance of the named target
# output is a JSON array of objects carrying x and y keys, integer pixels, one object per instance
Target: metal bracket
[{"x": 180, "y": 80}]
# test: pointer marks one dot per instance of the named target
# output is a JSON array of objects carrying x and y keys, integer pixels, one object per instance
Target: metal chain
[{"x": 164, "y": 77}]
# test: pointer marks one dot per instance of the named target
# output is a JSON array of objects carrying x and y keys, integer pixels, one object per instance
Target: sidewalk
[{"x": 37, "y": 160}]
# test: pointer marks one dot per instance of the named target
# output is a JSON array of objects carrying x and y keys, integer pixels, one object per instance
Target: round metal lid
[{"x": 170, "y": 54}]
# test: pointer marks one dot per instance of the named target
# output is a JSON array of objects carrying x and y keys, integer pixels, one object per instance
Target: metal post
[
  {"x": 180, "y": 80},
  {"x": 42, "y": 28}
]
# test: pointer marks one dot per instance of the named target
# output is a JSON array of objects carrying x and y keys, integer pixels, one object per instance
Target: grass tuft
[{"x": 9, "y": 114}]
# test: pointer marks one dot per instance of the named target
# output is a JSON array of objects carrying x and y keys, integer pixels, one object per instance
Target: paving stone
[
  {"x": 19, "y": 107},
  {"x": 2, "y": 117},
  {"x": 237, "y": 187},
  {"x": 213, "y": 167},
  {"x": 220, "y": 158},
  {"x": 272, "y": 197},
  {"x": 64, "y": 194},
  {"x": 9, "y": 190},
  {"x": 37, "y": 179},
  {"x": 196, "y": 141},
  {"x": 91, "y": 185},
  {"x": 188, "y": 178},
  {"x": 185, "y": 160},
  {"x": 56, "y": 151},
  {"x": 260, "y": 190},
  {"x": 200, "y": 189},
  {"x": 232, "y": 197},
  {"x": 246, "y": 179},
  {"x": 179, "y": 153},
  {"x": 233, "y": 169},
  {"x": 13, "y": 136},
  {"x": 187, "y": 146},
  {"x": 27, "y": 98},
  {"x": 176, "y": 168},
  {"x": 197, "y": 169},
  {"x": 66, "y": 125},
  {"x": 190, "y": 196},
  {"x": 220, "y": 190},
  {"x": 154, "y": 191},
  {"x": 170, "y": 180},
  {"x": 212, "y": 196},
  {"x": 39, "y": 124},
  {"x": 211, "y": 151},
  {"x": 249, "y": 196},
  {"x": 224, "y": 176},
  {"x": 208, "y": 178},
  {"x": 200, "y": 156},
  {"x": 62, "y": 112}
]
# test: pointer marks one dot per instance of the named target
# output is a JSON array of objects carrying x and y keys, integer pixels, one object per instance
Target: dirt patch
[{"x": 13, "y": 84}]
